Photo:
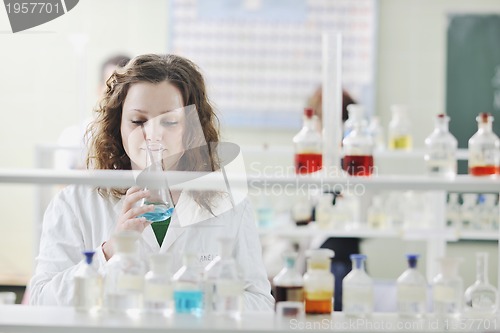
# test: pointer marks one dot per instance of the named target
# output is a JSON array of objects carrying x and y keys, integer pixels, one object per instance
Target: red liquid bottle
[
  {"x": 308, "y": 145},
  {"x": 357, "y": 149},
  {"x": 484, "y": 148}
]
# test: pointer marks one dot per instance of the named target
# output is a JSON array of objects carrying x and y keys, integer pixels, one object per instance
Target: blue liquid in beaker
[
  {"x": 188, "y": 301},
  {"x": 161, "y": 212}
]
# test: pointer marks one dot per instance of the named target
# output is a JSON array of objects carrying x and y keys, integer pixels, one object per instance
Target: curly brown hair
[{"x": 106, "y": 150}]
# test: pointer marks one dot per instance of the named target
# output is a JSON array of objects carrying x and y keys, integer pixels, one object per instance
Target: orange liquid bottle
[
  {"x": 318, "y": 282},
  {"x": 484, "y": 148}
]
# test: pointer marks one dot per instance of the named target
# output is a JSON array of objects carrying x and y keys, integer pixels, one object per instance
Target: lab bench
[{"x": 18, "y": 318}]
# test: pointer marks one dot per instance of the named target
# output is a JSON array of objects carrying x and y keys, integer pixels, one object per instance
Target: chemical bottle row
[
  {"x": 312, "y": 293},
  {"x": 360, "y": 141},
  {"x": 126, "y": 287},
  {"x": 472, "y": 211}
]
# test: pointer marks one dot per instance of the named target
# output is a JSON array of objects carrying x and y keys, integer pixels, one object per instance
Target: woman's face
[{"x": 159, "y": 108}]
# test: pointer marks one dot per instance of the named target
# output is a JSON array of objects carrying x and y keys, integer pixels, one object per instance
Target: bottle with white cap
[
  {"x": 124, "y": 275},
  {"x": 157, "y": 285},
  {"x": 318, "y": 282}
]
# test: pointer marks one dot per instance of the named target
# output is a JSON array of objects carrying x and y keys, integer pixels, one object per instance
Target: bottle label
[
  {"x": 130, "y": 282},
  {"x": 87, "y": 292},
  {"x": 400, "y": 142},
  {"x": 411, "y": 293},
  {"x": 443, "y": 294},
  {"x": 157, "y": 292}
]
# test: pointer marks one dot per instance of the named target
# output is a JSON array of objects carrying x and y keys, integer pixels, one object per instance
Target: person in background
[
  {"x": 162, "y": 99},
  {"x": 72, "y": 138},
  {"x": 343, "y": 247}
]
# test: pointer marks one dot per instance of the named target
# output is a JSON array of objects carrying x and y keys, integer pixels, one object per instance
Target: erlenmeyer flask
[{"x": 159, "y": 195}]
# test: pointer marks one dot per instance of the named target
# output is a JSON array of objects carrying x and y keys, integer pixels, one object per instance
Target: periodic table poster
[{"x": 262, "y": 58}]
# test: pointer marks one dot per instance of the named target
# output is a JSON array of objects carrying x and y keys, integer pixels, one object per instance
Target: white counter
[{"x": 19, "y": 318}]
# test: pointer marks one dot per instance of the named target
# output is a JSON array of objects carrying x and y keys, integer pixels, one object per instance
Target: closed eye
[{"x": 138, "y": 122}]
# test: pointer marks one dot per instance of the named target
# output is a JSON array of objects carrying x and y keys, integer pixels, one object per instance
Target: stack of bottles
[
  {"x": 126, "y": 287},
  {"x": 472, "y": 211}
]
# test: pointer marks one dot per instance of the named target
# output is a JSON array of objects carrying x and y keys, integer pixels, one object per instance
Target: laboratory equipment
[
  {"x": 308, "y": 145},
  {"x": 481, "y": 296},
  {"x": 187, "y": 283},
  {"x": 318, "y": 282},
  {"x": 223, "y": 283},
  {"x": 400, "y": 137},
  {"x": 484, "y": 148},
  {"x": 447, "y": 288},
  {"x": 289, "y": 284},
  {"x": 159, "y": 194},
  {"x": 375, "y": 215},
  {"x": 124, "y": 275},
  {"x": 468, "y": 211},
  {"x": 487, "y": 212},
  {"x": 157, "y": 285},
  {"x": 377, "y": 133},
  {"x": 441, "y": 149},
  {"x": 453, "y": 212},
  {"x": 88, "y": 285},
  {"x": 357, "y": 289},
  {"x": 324, "y": 211},
  {"x": 356, "y": 114},
  {"x": 302, "y": 210},
  {"x": 357, "y": 147},
  {"x": 411, "y": 290}
]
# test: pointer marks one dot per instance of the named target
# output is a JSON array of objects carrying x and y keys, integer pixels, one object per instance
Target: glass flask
[
  {"x": 289, "y": 284},
  {"x": 357, "y": 289},
  {"x": 324, "y": 211},
  {"x": 88, "y": 285},
  {"x": 157, "y": 285},
  {"x": 124, "y": 275},
  {"x": 377, "y": 133},
  {"x": 447, "y": 288},
  {"x": 223, "y": 283},
  {"x": 357, "y": 147},
  {"x": 308, "y": 145},
  {"x": 187, "y": 283},
  {"x": 484, "y": 148},
  {"x": 411, "y": 290},
  {"x": 318, "y": 282},
  {"x": 453, "y": 209},
  {"x": 481, "y": 296},
  {"x": 400, "y": 129},
  {"x": 159, "y": 196},
  {"x": 441, "y": 149}
]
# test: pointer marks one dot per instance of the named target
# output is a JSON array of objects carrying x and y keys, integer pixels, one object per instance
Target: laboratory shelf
[
  {"x": 311, "y": 231},
  {"x": 19, "y": 318},
  {"x": 462, "y": 183},
  {"x": 491, "y": 235}
]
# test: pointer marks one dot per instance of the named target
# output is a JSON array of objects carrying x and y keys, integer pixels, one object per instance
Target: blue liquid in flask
[{"x": 161, "y": 212}]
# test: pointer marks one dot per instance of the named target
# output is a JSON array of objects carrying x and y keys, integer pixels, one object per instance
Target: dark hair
[
  {"x": 315, "y": 102},
  {"x": 106, "y": 149}
]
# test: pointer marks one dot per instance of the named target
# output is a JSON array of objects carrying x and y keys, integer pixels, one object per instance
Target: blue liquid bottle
[
  {"x": 187, "y": 282},
  {"x": 159, "y": 192}
]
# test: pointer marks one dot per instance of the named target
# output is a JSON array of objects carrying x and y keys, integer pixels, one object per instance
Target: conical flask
[
  {"x": 481, "y": 296},
  {"x": 159, "y": 194}
]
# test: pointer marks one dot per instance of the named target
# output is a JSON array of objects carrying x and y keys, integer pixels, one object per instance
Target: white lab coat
[{"x": 78, "y": 219}]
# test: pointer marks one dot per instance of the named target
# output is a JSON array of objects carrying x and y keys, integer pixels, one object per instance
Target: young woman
[{"x": 153, "y": 99}]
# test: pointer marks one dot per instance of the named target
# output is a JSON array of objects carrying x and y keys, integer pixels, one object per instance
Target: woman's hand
[{"x": 129, "y": 219}]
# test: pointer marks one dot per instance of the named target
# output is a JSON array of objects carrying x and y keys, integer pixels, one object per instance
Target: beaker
[{"x": 159, "y": 195}]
